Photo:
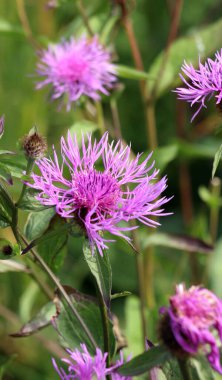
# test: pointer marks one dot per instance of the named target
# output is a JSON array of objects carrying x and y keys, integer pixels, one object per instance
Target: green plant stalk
[
  {"x": 100, "y": 117},
  {"x": 84, "y": 16},
  {"x": 29, "y": 167},
  {"x": 56, "y": 281},
  {"x": 105, "y": 322},
  {"x": 183, "y": 364},
  {"x": 214, "y": 211}
]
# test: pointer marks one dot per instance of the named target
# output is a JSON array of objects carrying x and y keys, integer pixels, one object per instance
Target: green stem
[
  {"x": 105, "y": 322},
  {"x": 183, "y": 364},
  {"x": 84, "y": 16},
  {"x": 29, "y": 167},
  {"x": 56, "y": 281},
  {"x": 100, "y": 117}
]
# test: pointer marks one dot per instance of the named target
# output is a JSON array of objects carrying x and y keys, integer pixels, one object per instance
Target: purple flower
[
  {"x": 195, "y": 317},
  {"x": 81, "y": 365},
  {"x": 203, "y": 83},
  {"x": 100, "y": 198},
  {"x": 76, "y": 68}
]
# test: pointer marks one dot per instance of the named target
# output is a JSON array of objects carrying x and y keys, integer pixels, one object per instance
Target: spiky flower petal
[
  {"x": 194, "y": 319},
  {"x": 81, "y": 365},
  {"x": 105, "y": 187},
  {"x": 75, "y": 68},
  {"x": 202, "y": 83}
]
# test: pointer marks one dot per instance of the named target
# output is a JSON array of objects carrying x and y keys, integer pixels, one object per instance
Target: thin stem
[
  {"x": 42, "y": 284},
  {"x": 56, "y": 281},
  {"x": 171, "y": 37},
  {"x": 214, "y": 211},
  {"x": 116, "y": 120},
  {"x": 183, "y": 364},
  {"x": 100, "y": 117},
  {"x": 25, "y": 23},
  {"x": 105, "y": 322},
  {"x": 84, "y": 16}
]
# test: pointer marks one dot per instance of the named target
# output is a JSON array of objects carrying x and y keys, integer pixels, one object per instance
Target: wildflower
[
  {"x": 81, "y": 365},
  {"x": 202, "y": 83},
  {"x": 100, "y": 200},
  {"x": 192, "y": 322},
  {"x": 76, "y": 68},
  {"x": 34, "y": 145},
  {"x": 119, "y": 362}
]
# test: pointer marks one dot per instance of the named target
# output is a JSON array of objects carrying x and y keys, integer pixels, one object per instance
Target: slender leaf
[
  {"x": 70, "y": 329},
  {"x": 217, "y": 159},
  {"x": 181, "y": 242},
  {"x": 101, "y": 269},
  {"x": 7, "y": 208},
  {"x": 5, "y": 174},
  {"x": 38, "y": 222},
  {"x": 16, "y": 163},
  {"x": 12, "y": 266},
  {"x": 39, "y": 321},
  {"x": 185, "y": 48},
  {"x": 143, "y": 363},
  {"x": 130, "y": 73}
]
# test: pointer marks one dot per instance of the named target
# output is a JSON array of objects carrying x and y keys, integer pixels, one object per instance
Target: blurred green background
[{"x": 24, "y": 107}]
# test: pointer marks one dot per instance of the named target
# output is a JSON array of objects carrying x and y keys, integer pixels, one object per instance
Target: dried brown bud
[{"x": 34, "y": 145}]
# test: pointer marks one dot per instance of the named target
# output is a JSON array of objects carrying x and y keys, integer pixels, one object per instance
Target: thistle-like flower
[
  {"x": 202, "y": 83},
  {"x": 34, "y": 145},
  {"x": 100, "y": 198},
  {"x": 76, "y": 68},
  {"x": 193, "y": 322},
  {"x": 81, "y": 365}
]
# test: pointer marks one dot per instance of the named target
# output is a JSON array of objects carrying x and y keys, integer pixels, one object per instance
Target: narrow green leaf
[
  {"x": 5, "y": 174},
  {"x": 209, "y": 198},
  {"x": 38, "y": 222},
  {"x": 120, "y": 295},
  {"x": 12, "y": 266},
  {"x": 185, "y": 48},
  {"x": 217, "y": 159},
  {"x": 101, "y": 269},
  {"x": 7, "y": 208},
  {"x": 130, "y": 73},
  {"x": 72, "y": 332},
  {"x": 181, "y": 242},
  {"x": 16, "y": 163},
  {"x": 143, "y": 363},
  {"x": 39, "y": 321}
]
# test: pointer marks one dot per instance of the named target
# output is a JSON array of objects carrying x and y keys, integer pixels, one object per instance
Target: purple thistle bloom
[
  {"x": 76, "y": 68},
  {"x": 202, "y": 83},
  {"x": 81, "y": 365},
  {"x": 195, "y": 317},
  {"x": 100, "y": 200}
]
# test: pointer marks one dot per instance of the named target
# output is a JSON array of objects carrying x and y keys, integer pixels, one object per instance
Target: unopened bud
[
  {"x": 2, "y": 123},
  {"x": 34, "y": 145}
]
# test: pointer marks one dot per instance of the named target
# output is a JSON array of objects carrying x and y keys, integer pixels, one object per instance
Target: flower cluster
[
  {"x": 81, "y": 365},
  {"x": 99, "y": 199},
  {"x": 202, "y": 83},
  {"x": 194, "y": 319},
  {"x": 76, "y": 68}
]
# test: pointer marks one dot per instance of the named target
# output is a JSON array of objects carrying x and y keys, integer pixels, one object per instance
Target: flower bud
[{"x": 34, "y": 145}]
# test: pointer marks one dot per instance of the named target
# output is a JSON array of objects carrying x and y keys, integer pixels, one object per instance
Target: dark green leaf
[
  {"x": 30, "y": 203},
  {"x": 200, "y": 369},
  {"x": 38, "y": 222},
  {"x": 181, "y": 242},
  {"x": 16, "y": 163},
  {"x": 185, "y": 48},
  {"x": 101, "y": 269},
  {"x": 217, "y": 158},
  {"x": 171, "y": 370},
  {"x": 39, "y": 321},
  {"x": 7, "y": 208},
  {"x": 5, "y": 174},
  {"x": 71, "y": 330},
  {"x": 53, "y": 249},
  {"x": 8, "y": 250},
  {"x": 143, "y": 363}
]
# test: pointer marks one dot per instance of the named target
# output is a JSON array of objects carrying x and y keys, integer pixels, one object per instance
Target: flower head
[
  {"x": 194, "y": 319},
  {"x": 203, "y": 83},
  {"x": 34, "y": 145},
  {"x": 97, "y": 198},
  {"x": 76, "y": 68},
  {"x": 81, "y": 365}
]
